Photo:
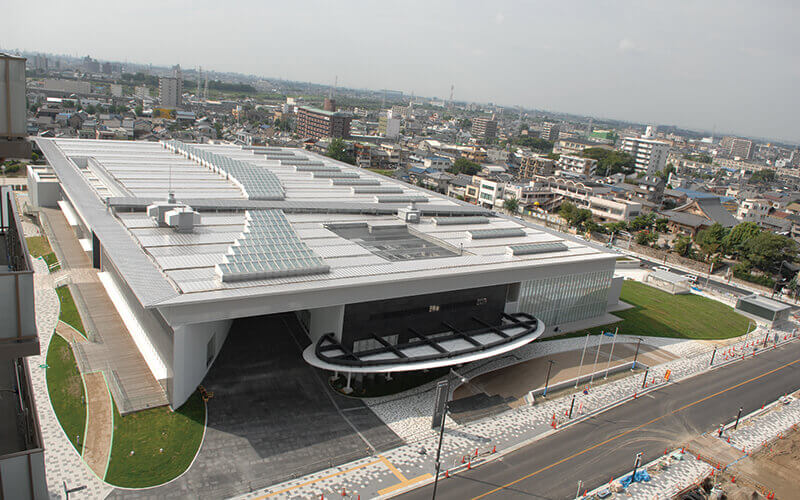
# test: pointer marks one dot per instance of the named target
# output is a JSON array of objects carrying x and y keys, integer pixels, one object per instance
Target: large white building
[
  {"x": 384, "y": 277},
  {"x": 650, "y": 154}
]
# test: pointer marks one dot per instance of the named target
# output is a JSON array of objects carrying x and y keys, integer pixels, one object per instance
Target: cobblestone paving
[
  {"x": 62, "y": 462},
  {"x": 764, "y": 427}
]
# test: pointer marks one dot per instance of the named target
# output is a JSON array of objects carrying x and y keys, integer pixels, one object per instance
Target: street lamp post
[
  {"x": 611, "y": 353},
  {"x": 580, "y": 367},
  {"x": 547, "y": 379},
  {"x": 596, "y": 356},
  {"x": 738, "y": 416},
  {"x": 636, "y": 355},
  {"x": 439, "y": 452}
]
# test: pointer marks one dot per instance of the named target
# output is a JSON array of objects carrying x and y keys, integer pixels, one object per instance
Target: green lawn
[
  {"x": 145, "y": 433},
  {"x": 69, "y": 312},
  {"x": 386, "y": 172},
  {"x": 65, "y": 386},
  {"x": 660, "y": 314},
  {"x": 38, "y": 246}
]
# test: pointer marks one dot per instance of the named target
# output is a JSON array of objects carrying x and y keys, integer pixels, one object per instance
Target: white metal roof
[{"x": 163, "y": 266}]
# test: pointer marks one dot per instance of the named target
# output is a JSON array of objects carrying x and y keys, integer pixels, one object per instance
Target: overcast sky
[{"x": 729, "y": 64}]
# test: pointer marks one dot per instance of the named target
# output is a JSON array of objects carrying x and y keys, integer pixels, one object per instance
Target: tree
[
  {"x": 511, "y": 205},
  {"x": 337, "y": 150},
  {"x": 642, "y": 222},
  {"x": 683, "y": 246},
  {"x": 710, "y": 240},
  {"x": 763, "y": 176},
  {"x": 138, "y": 110},
  {"x": 767, "y": 250},
  {"x": 574, "y": 216},
  {"x": 664, "y": 174},
  {"x": 464, "y": 166},
  {"x": 610, "y": 162},
  {"x": 735, "y": 239},
  {"x": 535, "y": 143},
  {"x": 218, "y": 129},
  {"x": 464, "y": 123},
  {"x": 701, "y": 158},
  {"x": 646, "y": 238},
  {"x": 661, "y": 224}
]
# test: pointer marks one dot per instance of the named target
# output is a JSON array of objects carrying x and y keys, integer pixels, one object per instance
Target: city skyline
[{"x": 714, "y": 73}]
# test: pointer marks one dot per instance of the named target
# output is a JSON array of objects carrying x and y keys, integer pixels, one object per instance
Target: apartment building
[
  {"x": 317, "y": 123},
  {"x": 597, "y": 198},
  {"x": 22, "y": 472},
  {"x": 533, "y": 165},
  {"x": 550, "y": 131},
  {"x": 577, "y": 164},
  {"x": 170, "y": 92},
  {"x": 650, "y": 154},
  {"x": 484, "y": 128}
]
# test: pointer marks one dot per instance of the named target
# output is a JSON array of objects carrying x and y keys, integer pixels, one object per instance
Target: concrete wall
[
  {"x": 190, "y": 364},
  {"x": 10, "y": 285},
  {"x": 23, "y": 476},
  {"x": 326, "y": 320},
  {"x": 43, "y": 193},
  {"x": 615, "y": 290}
]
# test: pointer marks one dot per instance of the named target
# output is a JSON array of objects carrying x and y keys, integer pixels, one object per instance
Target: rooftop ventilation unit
[
  {"x": 536, "y": 248},
  {"x": 456, "y": 221},
  {"x": 410, "y": 214},
  {"x": 377, "y": 189},
  {"x": 485, "y": 234},
  {"x": 355, "y": 182},
  {"x": 158, "y": 210},
  {"x": 183, "y": 219},
  {"x": 337, "y": 175},
  {"x": 401, "y": 199}
]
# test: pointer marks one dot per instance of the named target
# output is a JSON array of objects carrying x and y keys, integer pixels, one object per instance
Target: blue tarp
[{"x": 641, "y": 477}]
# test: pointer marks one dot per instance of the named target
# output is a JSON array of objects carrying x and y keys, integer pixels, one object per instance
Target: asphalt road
[{"x": 604, "y": 446}]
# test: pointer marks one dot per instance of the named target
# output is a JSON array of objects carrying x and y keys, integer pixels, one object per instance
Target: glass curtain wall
[{"x": 562, "y": 299}]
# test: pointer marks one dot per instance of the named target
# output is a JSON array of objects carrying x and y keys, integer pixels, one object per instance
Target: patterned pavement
[
  {"x": 372, "y": 477},
  {"x": 63, "y": 465}
]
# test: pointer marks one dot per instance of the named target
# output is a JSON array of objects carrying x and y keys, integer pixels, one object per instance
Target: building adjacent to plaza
[{"x": 384, "y": 277}]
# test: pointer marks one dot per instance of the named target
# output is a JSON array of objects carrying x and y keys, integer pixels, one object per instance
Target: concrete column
[{"x": 326, "y": 320}]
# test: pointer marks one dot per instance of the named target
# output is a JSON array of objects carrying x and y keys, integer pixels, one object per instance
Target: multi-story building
[
  {"x": 760, "y": 210},
  {"x": 597, "y": 198},
  {"x": 22, "y": 472},
  {"x": 484, "y": 128},
  {"x": 316, "y": 261},
  {"x": 577, "y": 164},
  {"x": 141, "y": 92},
  {"x": 576, "y": 145},
  {"x": 530, "y": 166},
  {"x": 737, "y": 147},
  {"x": 650, "y": 154},
  {"x": 170, "y": 92},
  {"x": 389, "y": 127},
  {"x": 550, "y": 131},
  {"x": 317, "y": 123},
  {"x": 67, "y": 86}
]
